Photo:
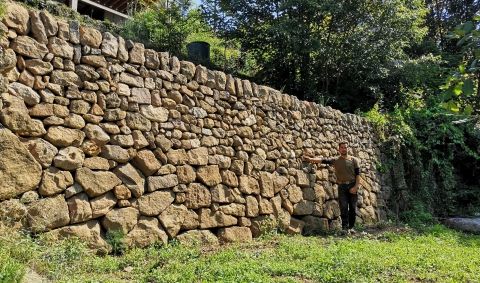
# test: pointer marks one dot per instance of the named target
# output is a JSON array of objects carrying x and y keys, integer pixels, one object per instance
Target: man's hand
[
  {"x": 312, "y": 160},
  {"x": 308, "y": 158},
  {"x": 353, "y": 190}
]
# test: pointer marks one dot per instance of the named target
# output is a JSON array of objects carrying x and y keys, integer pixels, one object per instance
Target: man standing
[{"x": 347, "y": 170}]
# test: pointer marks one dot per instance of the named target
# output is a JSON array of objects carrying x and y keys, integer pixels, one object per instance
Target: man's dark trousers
[{"x": 348, "y": 205}]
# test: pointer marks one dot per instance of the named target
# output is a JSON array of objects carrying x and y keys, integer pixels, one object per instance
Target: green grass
[{"x": 435, "y": 254}]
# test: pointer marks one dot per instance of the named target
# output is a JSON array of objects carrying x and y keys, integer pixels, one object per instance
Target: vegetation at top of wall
[
  {"x": 389, "y": 255},
  {"x": 341, "y": 50},
  {"x": 161, "y": 28},
  {"x": 171, "y": 27}
]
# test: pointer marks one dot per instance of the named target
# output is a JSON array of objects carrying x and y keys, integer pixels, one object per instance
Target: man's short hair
[{"x": 342, "y": 142}]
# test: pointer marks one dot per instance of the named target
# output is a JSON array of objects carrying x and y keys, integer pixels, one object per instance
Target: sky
[{"x": 196, "y": 2}]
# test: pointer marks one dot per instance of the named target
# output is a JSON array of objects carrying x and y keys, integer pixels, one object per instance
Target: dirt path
[{"x": 33, "y": 277}]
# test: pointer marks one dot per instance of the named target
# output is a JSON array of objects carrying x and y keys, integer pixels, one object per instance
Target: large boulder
[
  {"x": 132, "y": 178},
  {"x": 249, "y": 185},
  {"x": 13, "y": 211},
  {"x": 137, "y": 54},
  {"x": 137, "y": 121},
  {"x": 17, "y": 18},
  {"x": 79, "y": 208},
  {"x": 101, "y": 205},
  {"x": 314, "y": 225},
  {"x": 96, "y": 134},
  {"x": 212, "y": 219},
  {"x": 471, "y": 225},
  {"x": 109, "y": 45},
  {"x": 60, "y": 48},
  {"x": 234, "y": 234},
  {"x": 197, "y": 196},
  {"x": 38, "y": 29},
  {"x": 19, "y": 171},
  {"x": 63, "y": 78},
  {"x": 38, "y": 67},
  {"x": 54, "y": 181},
  {"x": 147, "y": 232},
  {"x": 47, "y": 214},
  {"x": 162, "y": 182},
  {"x": 186, "y": 174},
  {"x": 28, "y": 95},
  {"x": 15, "y": 117},
  {"x": 198, "y": 156},
  {"x": 177, "y": 217},
  {"x": 29, "y": 47},
  {"x": 89, "y": 232},
  {"x": 122, "y": 220},
  {"x": 267, "y": 188},
  {"x": 115, "y": 152},
  {"x": 198, "y": 237},
  {"x": 209, "y": 175},
  {"x": 90, "y": 37},
  {"x": 96, "y": 183},
  {"x": 147, "y": 162},
  {"x": 8, "y": 60},
  {"x": 50, "y": 23},
  {"x": 63, "y": 137},
  {"x": 304, "y": 207},
  {"x": 154, "y": 203},
  {"x": 42, "y": 151},
  {"x": 69, "y": 158},
  {"x": 155, "y": 114}
]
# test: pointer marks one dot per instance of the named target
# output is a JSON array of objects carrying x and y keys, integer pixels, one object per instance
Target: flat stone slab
[{"x": 464, "y": 224}]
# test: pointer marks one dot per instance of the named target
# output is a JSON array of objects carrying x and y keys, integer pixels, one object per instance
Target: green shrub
[
  {"x": 430, "y": 157},
  {"x": 161, "y": 28},
  {"x": 116, "y": 239},
  {"x": 417, "y": 217}
]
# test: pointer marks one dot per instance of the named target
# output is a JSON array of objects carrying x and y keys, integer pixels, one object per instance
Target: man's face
[{"x": 343, "y": 149}]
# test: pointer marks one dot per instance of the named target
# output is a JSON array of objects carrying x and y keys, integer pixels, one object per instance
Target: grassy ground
[{"x": 390, "y": 255}]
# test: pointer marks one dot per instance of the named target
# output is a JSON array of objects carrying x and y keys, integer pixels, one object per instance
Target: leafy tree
[
  {"x": 444, "y": 15},
  {"x": 335, "y": 50},
  {"x": 163, "y": 26},
  {"x": 214, "y": 14},
  {"x": 462, "y": 90}
]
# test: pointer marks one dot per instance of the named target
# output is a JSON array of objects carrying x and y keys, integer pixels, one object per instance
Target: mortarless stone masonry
[{"x": 98, "y": 134}]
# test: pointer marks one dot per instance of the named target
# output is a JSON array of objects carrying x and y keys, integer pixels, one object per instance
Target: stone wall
[{"x": 99, "y": 134}]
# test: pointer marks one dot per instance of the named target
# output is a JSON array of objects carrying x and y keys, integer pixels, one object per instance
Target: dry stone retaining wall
[{"x": 101, "y": 134}]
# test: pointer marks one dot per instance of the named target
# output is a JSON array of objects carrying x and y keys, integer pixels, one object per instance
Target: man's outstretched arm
[{"x": 316, "y": 160}]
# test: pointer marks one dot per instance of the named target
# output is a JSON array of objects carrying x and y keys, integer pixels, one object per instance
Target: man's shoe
[{"x": 351, "y": 231}]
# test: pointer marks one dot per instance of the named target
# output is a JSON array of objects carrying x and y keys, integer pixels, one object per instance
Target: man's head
[{"x": 343, "y": 148}]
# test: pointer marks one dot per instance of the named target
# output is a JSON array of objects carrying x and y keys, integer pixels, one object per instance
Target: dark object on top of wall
[{"x": 199, "y": 52}]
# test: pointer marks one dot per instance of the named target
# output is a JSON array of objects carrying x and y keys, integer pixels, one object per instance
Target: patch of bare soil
[{"x": 33, "y": 277}]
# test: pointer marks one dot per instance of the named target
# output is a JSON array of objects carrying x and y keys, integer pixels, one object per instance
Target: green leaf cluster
[
  {"x": 336, "y": 49},
  {"x": 429, "y": 154},
  {"x": 161, "y": 28},
  {"x": 461, "y": 92}
]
